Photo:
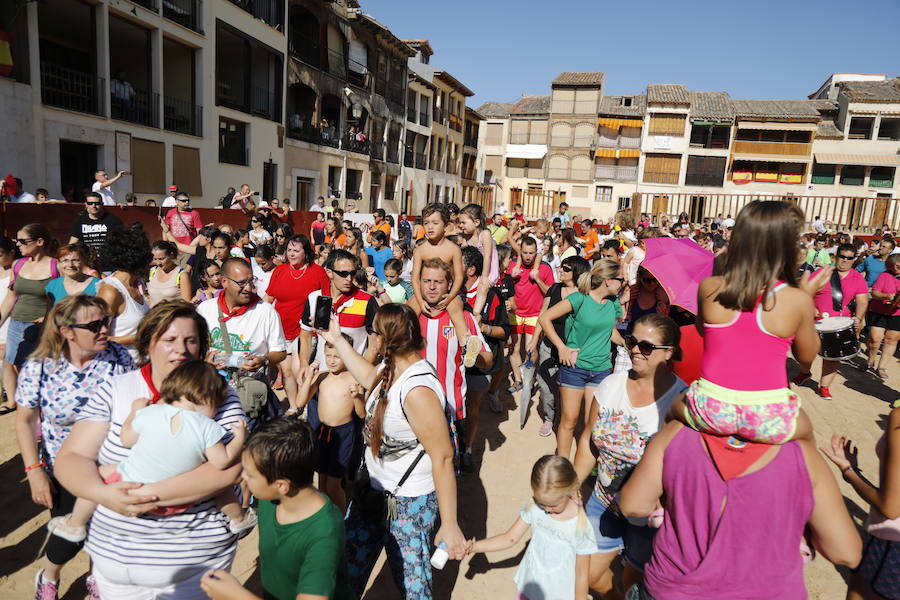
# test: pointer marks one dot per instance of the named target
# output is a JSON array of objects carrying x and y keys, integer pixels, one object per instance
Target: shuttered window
[
  {"x": 586, "y": 101},
  {"x": 186, "y": 170},
  {"x": 563, "y": 101},
  {"x": 518, "y": 132},
  {"x": 494, "y": 134},
  {"x": 705, "y": 170},
  {"x": 584, "y": 135},
  {"x": 561, "y": 135},
  {"x": 558, "y": 167},
  {"x": 662, "y": 168},
  {"x": 492, "y": 165},
  {"x": 538, "y": 133},
  {"x": 148, "y": 160},
  {"x": 667, "y": 124}
]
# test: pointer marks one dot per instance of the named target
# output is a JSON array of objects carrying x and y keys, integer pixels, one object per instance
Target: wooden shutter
[
  {"x": 538, "y": 134},
  {"x": 492, "y": 165},
  {"x": 662, "y": 168},
  {"x": 586, "y": 102},
  {"x": 518, "y": 132},
  {"x": 561, "y": 135},
  {"x": 563, "y": 101},
  {"x": 148, "y": 160},
  {"x": 494, "y": 135},
  {"x": 584, "y": 135},
  {"x": 667, "y": 124},
  {"x": 186, "y": 170}
]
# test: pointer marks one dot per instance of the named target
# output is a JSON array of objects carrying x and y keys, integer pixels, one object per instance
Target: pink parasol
[{"x": 679, "y": 265}]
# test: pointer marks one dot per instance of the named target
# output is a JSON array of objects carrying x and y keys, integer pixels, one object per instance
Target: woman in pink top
[
  {"x": 884, "y": 315},
  {"x": 733, "y": 526},
  {"x": 750, "y": 316},
  {"x": 879, "y": 570}
]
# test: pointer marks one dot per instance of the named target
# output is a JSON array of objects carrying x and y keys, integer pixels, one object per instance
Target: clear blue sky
[{"x": 501, "y": 49}]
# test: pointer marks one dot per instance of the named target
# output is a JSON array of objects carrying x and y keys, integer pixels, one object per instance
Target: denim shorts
[
  {"x": 614, "y": 533},
  {"x": 578, "y": 378},
  {"x": 21, "y": 341}
]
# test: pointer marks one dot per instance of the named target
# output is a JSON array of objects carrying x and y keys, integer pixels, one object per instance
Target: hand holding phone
[{"x": 322, "y": 317}]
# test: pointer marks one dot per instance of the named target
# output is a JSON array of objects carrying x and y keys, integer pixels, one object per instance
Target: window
[
  {"x": 882, "y": 177},
  {"x": 563, "y": 101},
  {"x": 581, "y": 169},
  {"x": 248, "y": 74},
  {"x": 537, "y": 133},
  {"x": 823, "y": 174},
  {"x": 861, "y": 128},
  {"x": 411, "y": 111},
  {"x": 773, "y": 135},
  {"x": 586, "y": 100},
  {"x": 709, "y": 136},
  {"x": 558, "y": 167},
  {"x": 531, "y": 168},
  {"x": 561, "y": 135},
  {"x": 603, "y": 194},
  {"x": 662, "y": 168},
  {"x": 232, "y": 142},
  {"x": 518, "y": 131},
  {"x": 149, "y": 166},
  {"x": 705, "y": 170},
  {"x": 493, "y": 135},
  {"x": 625, "y": 101},
  {"x": 580, "y": 191},
  {"x": 743, "y": 171},
  {"x": 584, "y": 135},
  {"x": 492, "y": 165},
  {"x": 186, "y": 170},
  {"x": 852, "y": 175},
  {"x": 624, "y": 202},
  {"x": 667, "y": 124},
  {"x": 889, "y": 129}
]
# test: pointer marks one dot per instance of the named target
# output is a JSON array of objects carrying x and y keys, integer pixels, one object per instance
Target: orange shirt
[
  {"x": 341, "y": 241},
  {"x": 419, "y": 232},
  {"x": 385, "y": 227},
  {"x": 591, "y": 243}
]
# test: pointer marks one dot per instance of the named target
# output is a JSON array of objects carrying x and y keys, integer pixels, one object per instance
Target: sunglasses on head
[
  {"x": 644, "y": 347},
  {"x": 93, "y": 326}
]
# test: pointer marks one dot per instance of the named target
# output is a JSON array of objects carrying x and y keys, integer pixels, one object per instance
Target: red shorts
[
  {"x": 116, "y": 477},
  {"x": 523, "y": 324}
]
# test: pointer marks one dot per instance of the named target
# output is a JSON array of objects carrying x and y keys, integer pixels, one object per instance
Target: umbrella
[
  {"x": 527, "y": 382},
  {"x": 679, "y": 265}
]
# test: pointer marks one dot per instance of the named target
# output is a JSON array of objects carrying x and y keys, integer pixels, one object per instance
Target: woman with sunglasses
[
  {"x": 647, "y": 297},
  {"x": 73, "y": 359},
  {"x": 27, "y": 301},
  {"x": 282, "y": 234},
  {"x": 627, "y": 409},
  {"x": 259, "y": 236},
  {"x": 584, "y": 354},
  {"x": 73, "y": 280}
]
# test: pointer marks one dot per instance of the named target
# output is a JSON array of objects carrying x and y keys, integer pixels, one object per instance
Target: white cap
[{"x": 263, "y": 204}]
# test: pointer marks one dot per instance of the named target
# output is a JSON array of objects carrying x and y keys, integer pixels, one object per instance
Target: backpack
[{"x": 17, "y": 266}]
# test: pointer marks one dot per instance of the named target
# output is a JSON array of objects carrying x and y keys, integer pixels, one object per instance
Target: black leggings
[{"x": 60, "y": 551}]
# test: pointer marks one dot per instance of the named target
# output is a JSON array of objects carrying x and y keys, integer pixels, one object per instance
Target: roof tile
[
  {"x": 612, "y": 105},
  {"x": 712, "y": 106},
  {"x": 872, "y": 91},
  {"x": 667, "y": 93},
  {"x": 775, "y": 109},
  {"x": 495, "y": 109},
  {"x": 531, "y": 105},
  {"x": 579, "y": 78}
]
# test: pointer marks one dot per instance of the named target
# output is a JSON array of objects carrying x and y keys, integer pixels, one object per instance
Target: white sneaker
[
  {"x": 59, "y": 526},
  {"x": 249, "y": 522}
]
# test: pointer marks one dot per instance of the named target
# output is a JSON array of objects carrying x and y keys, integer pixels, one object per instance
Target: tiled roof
[
  {"x": 667, "y": 93},
  {"x": 495, "y": 109},
  {"x": 531, "y": 105},
  {"x": 775, "y": 109},
  {"x": 711, "y": 106},
  {"x": 579, "y": 78},
  {"x": 827, "y": 129},
  {"x": 612, "y": 105},
  {"x": 872, "y": 91},
  {"x": 824, "y": 105}
]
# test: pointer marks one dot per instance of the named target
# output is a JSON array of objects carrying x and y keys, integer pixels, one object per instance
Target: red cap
[{"x": 173, "y": 188}]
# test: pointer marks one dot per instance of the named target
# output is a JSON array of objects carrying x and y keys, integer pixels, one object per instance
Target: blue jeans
[
  {"x": 407, "y": 543},
  {"x": 614, "y": 533},
  {"x": 578, "y": 378},
  {"x": 21, "y": 341}
]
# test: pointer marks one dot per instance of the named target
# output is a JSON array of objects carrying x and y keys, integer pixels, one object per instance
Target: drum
[{"x": 838, "y": 336}]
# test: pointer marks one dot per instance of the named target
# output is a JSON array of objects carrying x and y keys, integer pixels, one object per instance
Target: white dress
[{"x": 126, "y": 324}]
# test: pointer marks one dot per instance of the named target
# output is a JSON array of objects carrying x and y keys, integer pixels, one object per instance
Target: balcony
[
  {"x": 376, "y": 151},
  {"x": 421, "y": 160},
  {"x": 357, "y": 73},
  {"x": 621, "y": 141},
  {"x": 408, "y": 158},
  {"x": 624, "y": 174},
  {"x": 337, "y": 65},
  {"x": 182, "y": 116},
  {"x": 772, "y": 148},
  {"x": 265, "y": 104},
  {"x": 410, "y": 113},
  {"x": 354, "y": 144},
  {"x": 882, "y": 182},
  {"x": 133, "y": 106},
  {"x": 72, "y": 90},
  {"x": 184, "y": 12},
  {"x": 451, "y": 167},
  {"x": 423, "y": 119},
  {"x": 270, "y": 12},
  {"x": 305, "y": 50},
  {"x": 148, "y": 4},
  {"x": 298, "y": 130},
  {"x": 471, "y": 142}
]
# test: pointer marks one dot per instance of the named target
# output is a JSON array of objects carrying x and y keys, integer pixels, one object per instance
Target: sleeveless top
[
  {"x": 494, "y": 271},
  {"x": 748, "y": 550},
  {"x": 56, "y": 288},
  {"x": 158, "y": 290},
  {"x": 126, "y": 324},
  {"x": 745, "y": 336}
]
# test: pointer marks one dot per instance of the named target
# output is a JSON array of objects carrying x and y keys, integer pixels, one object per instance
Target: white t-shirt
[
  {"x": 257, "y": 331},
  {"x": 260, "y": 277},
  {"x": 24, "y": 197},
  {"x": 729, "y": 222},
  {"x": 169, "y": 202},
  {"x": 109, "y": 197},
  {"x": 623, "y": 430},
  {"x": 385, "y": 474}
]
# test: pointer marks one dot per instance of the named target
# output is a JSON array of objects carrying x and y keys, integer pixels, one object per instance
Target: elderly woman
[
  {"x": 136, "y": 554},
  {"x": 72, "y": 259},
  {"x": 629, "y": 407},
  {"x": 74, "y": 358}
]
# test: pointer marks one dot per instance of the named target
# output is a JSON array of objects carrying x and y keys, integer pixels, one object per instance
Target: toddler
[{"x": 169, "y": 438}]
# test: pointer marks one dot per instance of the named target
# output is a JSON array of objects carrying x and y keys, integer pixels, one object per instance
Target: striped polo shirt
[
  {"x": 355, "y": 313},
  {"x": 193, "y": 538}
]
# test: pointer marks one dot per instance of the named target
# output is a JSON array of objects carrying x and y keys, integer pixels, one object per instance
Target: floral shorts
[{"x": 766, "y": 416}]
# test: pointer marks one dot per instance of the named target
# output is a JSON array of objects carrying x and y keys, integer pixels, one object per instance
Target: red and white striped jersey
[{"x": 443, "y": 351}]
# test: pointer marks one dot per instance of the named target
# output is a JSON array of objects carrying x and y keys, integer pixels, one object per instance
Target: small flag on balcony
[{"x": 6, "y": 59}]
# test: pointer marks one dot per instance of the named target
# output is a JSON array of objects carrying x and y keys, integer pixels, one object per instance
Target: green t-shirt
[
  {"x": 306, "y": 557},
  {"x": 818, "y": 258},
  {"x": 498, "y": 232},
  {"x": 589, "y": 329}
]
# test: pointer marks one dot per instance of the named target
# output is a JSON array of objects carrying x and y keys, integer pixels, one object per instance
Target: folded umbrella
[{"x": 679, "y": 265}]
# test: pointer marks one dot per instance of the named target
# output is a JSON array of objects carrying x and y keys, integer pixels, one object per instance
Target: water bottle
[{"x": 440, "y": 556}]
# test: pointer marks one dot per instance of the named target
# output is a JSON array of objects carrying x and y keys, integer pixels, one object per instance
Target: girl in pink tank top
[
  {"x": 743, "y": 388},
  {"x": 472, "y": 223}
]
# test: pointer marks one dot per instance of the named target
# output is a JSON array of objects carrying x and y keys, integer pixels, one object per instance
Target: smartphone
[{"x": 322, "y": 318}]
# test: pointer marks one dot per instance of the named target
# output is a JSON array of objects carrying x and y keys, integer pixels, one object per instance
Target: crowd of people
[{"x": 338, "y": 374}]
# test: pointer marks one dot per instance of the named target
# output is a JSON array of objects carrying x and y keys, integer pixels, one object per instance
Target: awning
[
  {"x": 526, "y": 151},
  {"x": 866, "y": 160},
  {"x": 629, "y": 153},
  {"x": 613, "y": 123},
  {"x": 777, "y": 125},
  {"x": 723, "y": 123},
  {"x": 780, "y": 158},
  {"x": 613, "y": 153}
]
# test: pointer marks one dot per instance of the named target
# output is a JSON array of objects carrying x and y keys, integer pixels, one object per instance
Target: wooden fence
[{"x": 845, "y": 213}]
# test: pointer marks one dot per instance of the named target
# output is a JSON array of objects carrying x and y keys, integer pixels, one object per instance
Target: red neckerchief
[
  {"x": 731, "y": 455},
  {"x": 146, "y": 373},
  {"x": 228, "y": 313}
]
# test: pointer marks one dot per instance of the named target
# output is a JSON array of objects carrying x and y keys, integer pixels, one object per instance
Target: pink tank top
[
  {"x": 494, "y": 271},
  {"x": 749, "y": 549},
  {"x": 742, "y": 355}
]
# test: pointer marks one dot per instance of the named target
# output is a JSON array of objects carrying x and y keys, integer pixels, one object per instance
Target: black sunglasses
[
  {"x": 342, "y": 274},
  {"x": 93, "y": 203},
  {"x": 566, "y": 268},
  {"x": 93, "y": 326},
  {"x": 846, "y": 257},
  {"x": 24, "y": 241},
  {"x": 619, "y": 279},
  {"x": 644, "y": 347}
]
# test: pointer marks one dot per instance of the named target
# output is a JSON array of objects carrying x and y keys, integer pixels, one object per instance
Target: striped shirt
[
  {"x": 443, "y": 351},
  {"x": 355, "y": 314},
  {"x": 192, "y": 538}
]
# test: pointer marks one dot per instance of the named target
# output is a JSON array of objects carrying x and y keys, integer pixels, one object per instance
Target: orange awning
[
  {"x": 614, "y": 123},
  {"x": 629, "y": 153},
  {"x": 605, "y": 153}
]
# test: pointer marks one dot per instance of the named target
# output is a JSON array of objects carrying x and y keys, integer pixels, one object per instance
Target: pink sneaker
[
  {"x": 93, "y": 589},
  {"x": 546, "y": 428},
  {"x": 45, "y": 590}
]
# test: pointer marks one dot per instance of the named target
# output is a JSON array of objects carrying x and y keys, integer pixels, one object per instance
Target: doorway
[
  {"x": 77, "y": 165},
  {"x": 303, "y": 186}
]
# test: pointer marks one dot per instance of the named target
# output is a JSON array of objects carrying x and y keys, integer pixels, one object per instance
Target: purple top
[{"x": 749, "y": 549}]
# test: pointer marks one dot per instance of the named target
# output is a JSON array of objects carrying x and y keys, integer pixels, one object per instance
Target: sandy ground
[{"x": 489, "y": 500}]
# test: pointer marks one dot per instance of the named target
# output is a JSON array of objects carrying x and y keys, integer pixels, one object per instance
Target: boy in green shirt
[{"x": 301, "y": 533}]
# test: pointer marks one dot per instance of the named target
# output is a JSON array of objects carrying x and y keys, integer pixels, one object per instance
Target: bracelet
[
  {"x": 36, "y": 465},
  {"x": 847, "y": 468}
]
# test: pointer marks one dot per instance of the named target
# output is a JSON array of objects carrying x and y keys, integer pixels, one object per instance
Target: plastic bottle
[{"x": 440, "y": 556}]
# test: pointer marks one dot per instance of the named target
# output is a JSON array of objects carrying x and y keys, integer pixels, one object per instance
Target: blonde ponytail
[{"x": 601, "y": 271}]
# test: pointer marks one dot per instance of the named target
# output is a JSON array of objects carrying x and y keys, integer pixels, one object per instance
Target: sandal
[{"x": 881, "y": 374}]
